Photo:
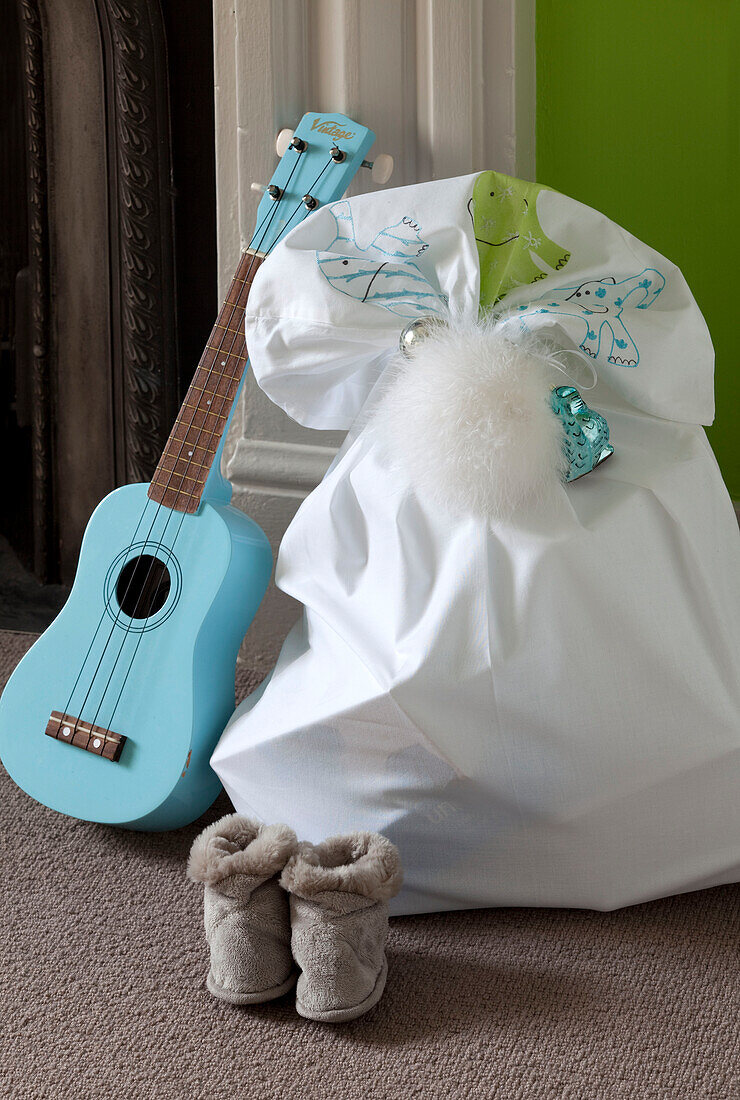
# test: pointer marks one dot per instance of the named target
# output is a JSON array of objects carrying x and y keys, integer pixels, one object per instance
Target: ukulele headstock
[{"x": 316, "y": 167}]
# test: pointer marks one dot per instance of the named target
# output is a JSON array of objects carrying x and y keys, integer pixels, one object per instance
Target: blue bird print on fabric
[{"x": 384, "y": 273}]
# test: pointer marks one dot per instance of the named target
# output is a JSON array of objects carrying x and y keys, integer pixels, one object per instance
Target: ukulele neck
[{"x": 180, "y": 477}]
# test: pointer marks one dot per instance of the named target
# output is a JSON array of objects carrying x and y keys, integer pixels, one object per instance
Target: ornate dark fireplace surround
[{"x": 107, "y": 295}]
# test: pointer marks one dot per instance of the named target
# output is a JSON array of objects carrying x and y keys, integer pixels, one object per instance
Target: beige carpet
[{"x": 103, "y": 965}]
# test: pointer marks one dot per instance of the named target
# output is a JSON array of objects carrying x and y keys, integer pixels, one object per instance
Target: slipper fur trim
[
  {"x": 365, "y": 864},
  {"x": 236, "y": 845}
]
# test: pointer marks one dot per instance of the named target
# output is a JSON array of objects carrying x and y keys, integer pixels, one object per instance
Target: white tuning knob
[
  {"x": 283, "y": 140},
  {"x": 260, "y": 188},
  {"x": 382, "y": 168}
]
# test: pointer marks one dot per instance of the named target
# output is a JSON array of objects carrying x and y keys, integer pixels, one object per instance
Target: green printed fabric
[{"x": 513, "y": 248}]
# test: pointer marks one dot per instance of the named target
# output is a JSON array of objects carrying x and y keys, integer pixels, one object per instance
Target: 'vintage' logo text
[{"x": 333, "y": 129}]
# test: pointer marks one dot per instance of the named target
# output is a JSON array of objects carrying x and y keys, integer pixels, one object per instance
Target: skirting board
[
  {"x": 278, "y": 468},
  {"x": 289, "y": 469}
]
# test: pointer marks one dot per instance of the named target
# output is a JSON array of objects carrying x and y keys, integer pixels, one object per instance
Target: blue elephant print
[
  {"x": 599, "y": 303},
  {"x": 384, "y": 273}
]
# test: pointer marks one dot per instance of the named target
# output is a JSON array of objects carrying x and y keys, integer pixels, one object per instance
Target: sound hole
[{"x": 143, "y": 587}]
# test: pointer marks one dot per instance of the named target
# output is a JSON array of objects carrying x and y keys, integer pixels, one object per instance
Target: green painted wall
[{"x": 638, "y": 115}]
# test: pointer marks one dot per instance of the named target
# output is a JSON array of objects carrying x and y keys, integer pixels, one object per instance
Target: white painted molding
[
  {"x": 227, "y": 186},
  {"x": 448, "y": 88},
  {"x": 278, "y": 467}
]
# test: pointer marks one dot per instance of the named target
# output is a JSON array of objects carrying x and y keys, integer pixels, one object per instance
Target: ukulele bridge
[{"x": 94, "y": 739}]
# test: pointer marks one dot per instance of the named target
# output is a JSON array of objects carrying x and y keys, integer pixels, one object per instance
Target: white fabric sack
[{"x": 539, "y": 711}]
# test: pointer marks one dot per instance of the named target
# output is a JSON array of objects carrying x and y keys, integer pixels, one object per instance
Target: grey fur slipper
[
  {"x": 246, "y": 913},
  {"x": 339, "y": 893}
]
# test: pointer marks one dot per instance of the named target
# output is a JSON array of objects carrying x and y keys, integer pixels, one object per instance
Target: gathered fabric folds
[{"x": 541, "y": 709}]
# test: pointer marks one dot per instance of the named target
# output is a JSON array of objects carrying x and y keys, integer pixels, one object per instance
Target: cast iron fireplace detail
[
  {"x": 140, "y": 43},
  {"x": 37, "y": 287},
  {"x": 140, "y": 175}
]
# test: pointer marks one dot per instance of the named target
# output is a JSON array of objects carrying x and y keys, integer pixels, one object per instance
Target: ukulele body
[
  {"x": 213, "y": 575},
  {"x": 112, "y": 716}
]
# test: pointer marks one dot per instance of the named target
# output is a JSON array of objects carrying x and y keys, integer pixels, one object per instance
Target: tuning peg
[
  {"x": 381, "y": 169},
  {"x": 272, "y": 190},
  {"x": 283, "y": 140}
]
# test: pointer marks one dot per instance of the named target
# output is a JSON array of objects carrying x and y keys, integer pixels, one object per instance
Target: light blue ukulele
[{"x": 113, "y": 714}]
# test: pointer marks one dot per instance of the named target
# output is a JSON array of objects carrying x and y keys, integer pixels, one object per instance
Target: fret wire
[
  {"x": 232, "y": 378},
  {"x": 176, "y": 473},
  {"x": 188, "y": 463},
  {"x": 233, "y": 306},
  {"x": 227, "y": 397},
  {"x": 226, "y": 353},
  {"x": 211, "y": 393},
  {"x": 215, "y": 433},
  {"x": 197, "y": 446},
  {"x": 180, "y": 491},
  {"x": 231, "y": 384},
  {"x": 240, "y": 341},
  {"x": 210, "y": 368},
  {"x": 245, "y": 274},
  {"x": 238, "y": 303},
  {"x": 218, "y": 427},
  {"x": 200, "y": 427},
  {"x": 215, "y": 367},
  {"x": 190, "y": 442},
  {"x": 179, "y": 424},
  {"x": 246, "y": 258},
  {"x": 193, "y": 445},
  {"x": 226, "y": 371},
  {"x": 184, "y": 458},
  {"x": 216, "y": 370},
  {"x": 227, "y": 394},
  {"x": 208, "y": 412},
  {"x": 223, "y": 377},
  {"x": 226, "y": 328},
  {"x": 179, "y": 473}
]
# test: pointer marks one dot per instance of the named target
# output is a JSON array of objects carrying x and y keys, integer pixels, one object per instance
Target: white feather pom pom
[{"x": 467, "y": 416}]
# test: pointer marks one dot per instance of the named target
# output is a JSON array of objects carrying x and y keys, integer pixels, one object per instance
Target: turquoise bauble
[{"x": 586, "y": 442}]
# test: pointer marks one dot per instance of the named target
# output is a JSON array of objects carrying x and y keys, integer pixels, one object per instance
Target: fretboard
[{"x": 186, "y": 461}]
